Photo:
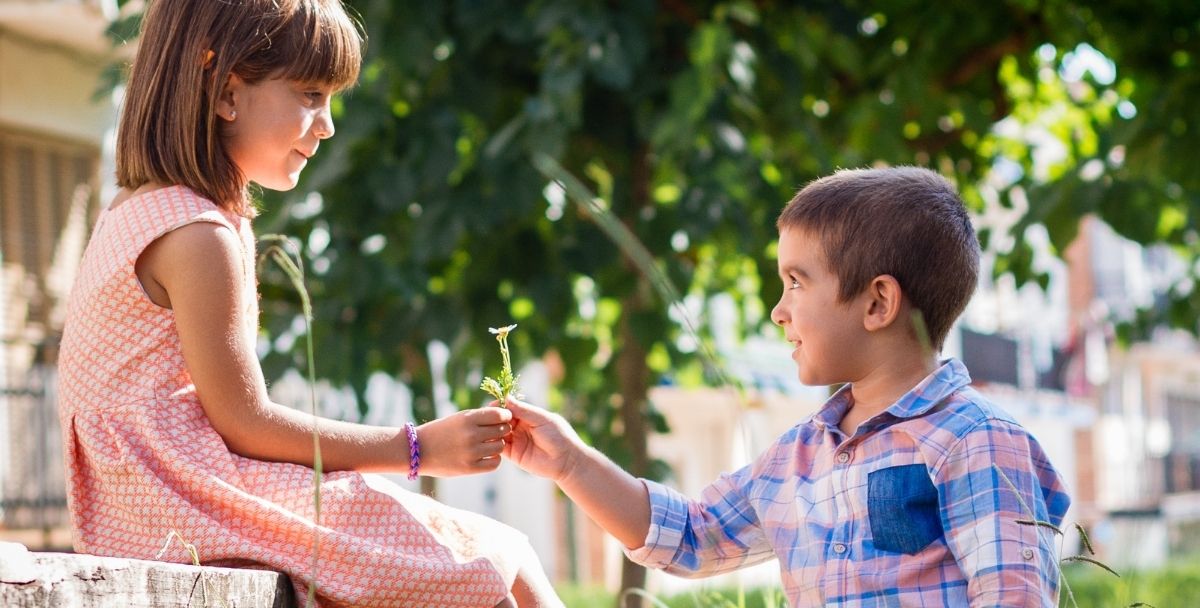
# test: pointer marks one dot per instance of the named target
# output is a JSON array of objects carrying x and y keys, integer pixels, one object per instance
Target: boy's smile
[{"x": 824, "y": 331}]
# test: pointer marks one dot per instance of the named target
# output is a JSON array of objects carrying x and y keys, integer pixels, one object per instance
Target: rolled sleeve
[
  {"x": 695, "y": 538},
  {"x": 1006, "y": 563},
  {"x": 668, "y": 519}
]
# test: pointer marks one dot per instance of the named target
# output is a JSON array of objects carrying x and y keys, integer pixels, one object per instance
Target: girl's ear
[
  {"x": 884, "y": 302},
  {"x": 231, "y": 94}
]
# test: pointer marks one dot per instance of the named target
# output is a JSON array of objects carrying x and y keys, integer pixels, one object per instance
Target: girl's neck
[{"x": 126, "y": 194}]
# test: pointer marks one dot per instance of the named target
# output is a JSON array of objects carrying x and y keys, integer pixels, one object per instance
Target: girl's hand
[
  {"x": 542, "y": 442},
  {"x": 465, "y": 442}
]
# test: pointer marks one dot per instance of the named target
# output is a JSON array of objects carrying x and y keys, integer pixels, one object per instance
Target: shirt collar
[{"x": 944, "y": 381}]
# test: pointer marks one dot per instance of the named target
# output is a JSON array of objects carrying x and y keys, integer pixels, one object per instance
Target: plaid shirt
[{"x": 908, "y": 511}]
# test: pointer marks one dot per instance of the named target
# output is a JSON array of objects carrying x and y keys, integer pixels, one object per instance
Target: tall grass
[
  {"x": 286, "y": 255},
  {"x": 1174, "y": 585}
]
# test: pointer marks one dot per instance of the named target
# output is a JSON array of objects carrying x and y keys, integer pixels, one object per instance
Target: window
[
  {"x": 1182, "y": 463},
  {"x": 47, "y": 205}
]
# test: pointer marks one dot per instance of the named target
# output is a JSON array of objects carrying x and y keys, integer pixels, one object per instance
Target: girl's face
[
  {"x": 825, "y": 331},
  {"x": 273, "y": 127}
]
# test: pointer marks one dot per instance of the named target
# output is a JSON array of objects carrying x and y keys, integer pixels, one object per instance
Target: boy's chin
[{"x": 815, "y": 379}]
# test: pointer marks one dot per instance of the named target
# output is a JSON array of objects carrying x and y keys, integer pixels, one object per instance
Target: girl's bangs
[{"x": 325, "y": 45}]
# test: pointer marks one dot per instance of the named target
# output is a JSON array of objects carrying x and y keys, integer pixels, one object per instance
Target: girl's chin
[{"x": 279, "y": 185}]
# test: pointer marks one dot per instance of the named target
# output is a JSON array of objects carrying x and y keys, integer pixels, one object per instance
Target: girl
[{"x": 166, "y": 419}]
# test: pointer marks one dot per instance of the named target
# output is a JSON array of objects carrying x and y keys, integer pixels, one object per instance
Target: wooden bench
[{"x": 34, "y": 580}]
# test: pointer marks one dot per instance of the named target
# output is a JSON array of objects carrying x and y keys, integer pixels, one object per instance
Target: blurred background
[{"x": 607, "y": 175}]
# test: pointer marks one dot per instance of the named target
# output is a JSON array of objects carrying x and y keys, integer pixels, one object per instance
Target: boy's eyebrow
[{"x": 796, "y": 270}]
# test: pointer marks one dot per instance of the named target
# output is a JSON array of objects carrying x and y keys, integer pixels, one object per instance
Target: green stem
[{"x": 294, "y": 269}]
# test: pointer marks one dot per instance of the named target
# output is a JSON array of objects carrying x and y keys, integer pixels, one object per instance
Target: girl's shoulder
[
  {"x": 137, "y": 218},
  {"x": 157, "y": 195}
]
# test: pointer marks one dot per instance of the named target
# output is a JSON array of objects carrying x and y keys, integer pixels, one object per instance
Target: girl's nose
[{"x": 323, "y": 125}]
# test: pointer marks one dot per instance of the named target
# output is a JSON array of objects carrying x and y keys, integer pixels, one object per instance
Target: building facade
[{"x": 54, "y": 122}]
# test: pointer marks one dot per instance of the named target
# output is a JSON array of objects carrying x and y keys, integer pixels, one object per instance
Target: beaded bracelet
[{"x": 414, "y": 451}]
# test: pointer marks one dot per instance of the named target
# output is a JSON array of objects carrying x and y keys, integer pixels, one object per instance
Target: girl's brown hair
[{"x": 169, "y": 130}]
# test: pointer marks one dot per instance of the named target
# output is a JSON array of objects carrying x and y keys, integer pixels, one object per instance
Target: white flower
[{"x": 503, "y": 331}]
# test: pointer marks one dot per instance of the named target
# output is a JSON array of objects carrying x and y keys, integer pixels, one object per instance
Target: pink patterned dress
[{"x": 144, "y": 461}]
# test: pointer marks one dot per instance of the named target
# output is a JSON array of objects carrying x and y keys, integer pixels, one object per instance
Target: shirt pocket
[{"x": 902, "y": 506}]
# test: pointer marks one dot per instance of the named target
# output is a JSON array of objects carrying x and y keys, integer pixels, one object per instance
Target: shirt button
[
  {"x": 839, "y": 548},
  {"x": 1027, "y": 553},
  {"x": 843, "y": 457}
]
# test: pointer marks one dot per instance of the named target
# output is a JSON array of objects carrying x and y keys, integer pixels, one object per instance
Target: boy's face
[{"x": 827, "y": 334}]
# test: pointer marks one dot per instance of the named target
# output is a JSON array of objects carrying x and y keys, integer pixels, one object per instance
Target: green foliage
[
  {"x": 1175, "y": 585},
  {"x": 692, "y": 123},
  {"x": 595, "y": 597}
]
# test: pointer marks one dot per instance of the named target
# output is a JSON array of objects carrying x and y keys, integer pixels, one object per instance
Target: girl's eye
[{"x": 793, "y": 284}]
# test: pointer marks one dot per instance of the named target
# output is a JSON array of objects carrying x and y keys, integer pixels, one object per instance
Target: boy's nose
[{"x": 777, "y": 315}]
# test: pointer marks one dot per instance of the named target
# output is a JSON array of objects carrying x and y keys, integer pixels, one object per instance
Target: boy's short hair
[
  {"x": 169, "y": 130},
  {"x": 906, "y": 222}
]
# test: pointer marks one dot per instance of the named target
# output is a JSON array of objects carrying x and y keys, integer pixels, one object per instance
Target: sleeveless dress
[{"x": 143, "y": 459}]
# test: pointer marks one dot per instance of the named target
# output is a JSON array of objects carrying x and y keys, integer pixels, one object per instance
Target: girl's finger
[
  {"x": 489, "y": 463},
  {"x": 491, "y": 415},
  {"x": 488, "y": 449}
]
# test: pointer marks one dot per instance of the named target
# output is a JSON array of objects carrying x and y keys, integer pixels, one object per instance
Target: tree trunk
[
  {"x": 633, "y": 382},
  {"x": 632, "y": 371}
]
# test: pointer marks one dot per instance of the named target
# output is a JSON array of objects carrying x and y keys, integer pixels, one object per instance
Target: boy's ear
[
  {"x": 884, "y": 301},
  {"x": 229, "y": 96}
]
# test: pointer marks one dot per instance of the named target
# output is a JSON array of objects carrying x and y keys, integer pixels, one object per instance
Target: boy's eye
[{"x": 793, "y": 284}]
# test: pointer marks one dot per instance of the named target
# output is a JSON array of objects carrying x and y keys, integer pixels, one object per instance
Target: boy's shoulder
[
  {"x": 967, "y": 409},
  {"x": 947, "y": 401},
  {"x": 964, "y": 422}
]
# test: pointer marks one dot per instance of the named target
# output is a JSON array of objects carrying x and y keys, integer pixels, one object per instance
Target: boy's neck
[{"x": 882, "y": 386}]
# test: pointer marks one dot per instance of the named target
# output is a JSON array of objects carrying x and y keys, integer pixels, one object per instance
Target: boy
[{"x": 887, "y": 495}]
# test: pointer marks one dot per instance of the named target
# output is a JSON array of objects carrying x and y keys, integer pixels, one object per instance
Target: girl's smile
[{"x": 273, "y": 127}]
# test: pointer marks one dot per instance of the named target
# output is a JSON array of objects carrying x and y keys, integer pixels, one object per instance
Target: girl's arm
[{"x": 197, "y": 271}]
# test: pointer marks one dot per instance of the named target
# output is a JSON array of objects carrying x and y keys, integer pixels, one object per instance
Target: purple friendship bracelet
[{"x": 414, "y": 451}]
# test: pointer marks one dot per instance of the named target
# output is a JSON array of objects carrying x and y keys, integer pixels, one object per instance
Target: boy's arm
[
  {"x": 545, "y": 444},
  {"x": 1005, "y": 563},
  {"x": 659, "y": 527}
]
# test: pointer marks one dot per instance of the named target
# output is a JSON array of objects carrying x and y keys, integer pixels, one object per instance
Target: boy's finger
[{"x": 520, "y": 409}]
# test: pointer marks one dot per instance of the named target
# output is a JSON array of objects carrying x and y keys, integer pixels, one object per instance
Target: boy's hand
[
  {"x": 465, "y": 442},
  {"x": 542, "y": 442}
]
